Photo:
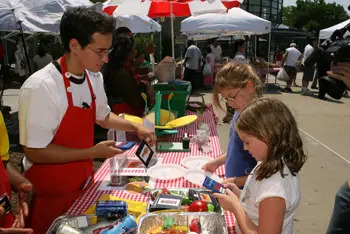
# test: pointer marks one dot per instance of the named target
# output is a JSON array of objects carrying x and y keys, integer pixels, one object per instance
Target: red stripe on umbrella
[
  {"x": 162, "y": 9},
  {"x": 231, "y": 4},
  {"x": 110, "y": 9}
]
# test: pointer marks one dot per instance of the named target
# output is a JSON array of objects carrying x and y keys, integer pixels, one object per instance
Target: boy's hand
[
  {"x": 146, "y": 134},
  {"x": 105, "y": 149},
  {"x": 24, "y": 198}
]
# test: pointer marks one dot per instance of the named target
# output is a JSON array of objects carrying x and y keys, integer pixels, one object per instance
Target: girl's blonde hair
[
  {"x": 235, "y": 75},
  {"x": 271, "y": 121}
]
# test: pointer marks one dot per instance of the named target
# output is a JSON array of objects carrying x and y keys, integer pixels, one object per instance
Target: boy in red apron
[
  {"x": 59, "y": 106},
  {"x": 9, "y": 223}
]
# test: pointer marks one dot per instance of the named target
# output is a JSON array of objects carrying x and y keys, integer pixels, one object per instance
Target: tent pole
[
  {"x": 172, "y": 30},
  {"x": 255, "y": 45},
  {"x": 24, "y": 46},
  {"x": 268, "y": 59}
]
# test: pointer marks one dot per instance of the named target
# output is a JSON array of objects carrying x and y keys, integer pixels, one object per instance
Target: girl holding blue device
[{"x": 271, "y": 194}]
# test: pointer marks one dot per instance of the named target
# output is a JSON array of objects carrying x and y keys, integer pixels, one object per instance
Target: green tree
[
  {"x": 314, "y": 15},
  {"x": 95, "y": 1}
]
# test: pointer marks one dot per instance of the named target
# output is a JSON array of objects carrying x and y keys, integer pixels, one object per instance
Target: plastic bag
[
  {"x": 282, "y": 75},
  {"x": 207, "y": 70},
  {"x": 165, "y": 70}
]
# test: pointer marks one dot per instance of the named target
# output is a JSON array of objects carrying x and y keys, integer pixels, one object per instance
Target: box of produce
[
  {"x": 181, "y": 223},
  {"x": 183, "y": 200}
]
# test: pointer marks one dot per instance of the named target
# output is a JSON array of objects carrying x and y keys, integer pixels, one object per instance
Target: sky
[{"x": 345, "y": 3}]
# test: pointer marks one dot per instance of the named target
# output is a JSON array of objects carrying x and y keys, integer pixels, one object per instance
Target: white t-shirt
[
  {"x": 292, "y": 57},
  {"x": 307, "y": 51},
  {"x": 41, "y": 62},
  {"x": 217, "y": 51},
  {"x": 194, "y": 55},
  {"x": 240, "y": 58},
  {"x": 43, "y": 103},
  {"x": 256, "y": 191}
]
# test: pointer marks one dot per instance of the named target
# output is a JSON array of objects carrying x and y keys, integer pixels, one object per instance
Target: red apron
[
  {"x": 57, "y": 186},
  {"x": 5, "y": 187}
]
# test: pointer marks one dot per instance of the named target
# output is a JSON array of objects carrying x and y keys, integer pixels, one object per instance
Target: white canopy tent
[
  {"x": 327, "y": 32},
  {"x": 236, "y": 21},
  {"x": 137, "y": 23},
  {"x": 35, "y": 16}
]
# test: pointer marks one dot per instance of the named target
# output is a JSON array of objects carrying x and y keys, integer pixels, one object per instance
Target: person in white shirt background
[
  {"x": 239, "y": 52},
  {"x": 290, "y": 57},
  {"x": 192, "y": 60},
  {"x": 217, "y": 51},
  {"x": 43, "y": 57},
  {"x": 308, "y": 71},
  {"x": 271, "y": 193}
]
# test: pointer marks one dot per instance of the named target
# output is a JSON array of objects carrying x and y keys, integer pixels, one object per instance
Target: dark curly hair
[
  {"x": 122, "y": 47},
  {"x": 270, "y": 121}
]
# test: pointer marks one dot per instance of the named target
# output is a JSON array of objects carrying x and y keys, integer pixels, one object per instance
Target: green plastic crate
[{"x": 181, "y": 92}]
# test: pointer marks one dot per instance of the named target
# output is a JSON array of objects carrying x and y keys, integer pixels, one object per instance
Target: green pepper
[
  {"x": 186, "y": 201},
  {"x": 211, "y": 208}
]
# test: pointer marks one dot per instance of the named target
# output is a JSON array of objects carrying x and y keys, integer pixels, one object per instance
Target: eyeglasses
[
  {"x": 232, "y": 99},
  {"x": 102, "y": 53}
]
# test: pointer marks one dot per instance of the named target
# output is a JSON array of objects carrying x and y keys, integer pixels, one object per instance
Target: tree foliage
[
  {"x": 95, "y": 1},
  {"x": 314, "y": 15}
]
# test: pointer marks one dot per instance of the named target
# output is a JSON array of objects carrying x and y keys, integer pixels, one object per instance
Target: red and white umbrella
[
  {"x": 161, "y": 8},
  {"x": 168, "y": 8}
]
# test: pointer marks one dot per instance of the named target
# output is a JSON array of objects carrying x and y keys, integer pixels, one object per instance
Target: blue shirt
[{"x": 239, "y": 162}]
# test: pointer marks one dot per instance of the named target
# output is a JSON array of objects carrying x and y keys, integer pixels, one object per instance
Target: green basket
[{"x": 181, "y": 92}]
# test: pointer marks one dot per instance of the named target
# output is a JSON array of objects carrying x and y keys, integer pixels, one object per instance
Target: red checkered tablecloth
[{"x": 93, "y": 192}]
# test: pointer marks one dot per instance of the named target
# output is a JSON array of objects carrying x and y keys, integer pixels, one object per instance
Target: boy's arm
[{"x": 15, "y": 178}]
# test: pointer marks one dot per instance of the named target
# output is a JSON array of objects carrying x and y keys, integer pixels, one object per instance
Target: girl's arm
[{"x": 271, "y": 213}]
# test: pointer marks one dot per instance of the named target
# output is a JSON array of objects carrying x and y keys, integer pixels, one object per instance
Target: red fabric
[
  {"x": 279, "y": 56},
  {"x": 162, "y": 9},
  {"x": 2, "y": 51},
  {"x": 231, "y": 4},
  {"x": 57, "y": 186},
  {"x": 5, "y": 187},
  {"x": 110, "y": 9}
]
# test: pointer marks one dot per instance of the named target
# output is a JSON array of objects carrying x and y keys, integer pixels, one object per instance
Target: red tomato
[{"x": 198, "y": 206}]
